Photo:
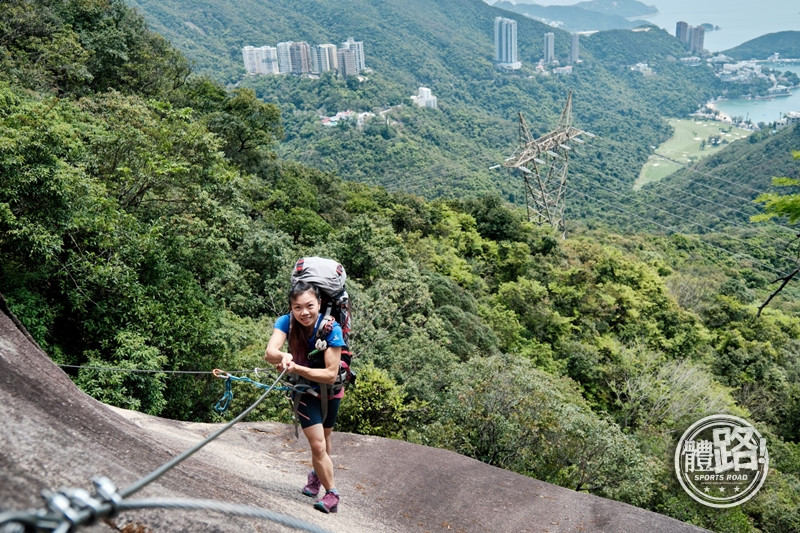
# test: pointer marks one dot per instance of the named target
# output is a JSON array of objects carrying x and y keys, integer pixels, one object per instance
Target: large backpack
[{"x": 329, "y": 276}]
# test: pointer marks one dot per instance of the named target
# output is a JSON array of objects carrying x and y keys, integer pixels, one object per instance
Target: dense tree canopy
[{"x": 154, "y": 227}]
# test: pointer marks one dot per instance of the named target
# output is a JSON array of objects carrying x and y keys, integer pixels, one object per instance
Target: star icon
[
  {"x": 722, "y": 489},
  {"x": 737, "y": 489}
]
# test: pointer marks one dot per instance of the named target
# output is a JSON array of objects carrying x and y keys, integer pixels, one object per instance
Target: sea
[
  {"x": 764, "y": 110},
  {"x": 738, "y": 21}
]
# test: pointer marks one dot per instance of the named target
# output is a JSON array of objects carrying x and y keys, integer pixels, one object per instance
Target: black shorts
[{"x": 310, "y": 413}]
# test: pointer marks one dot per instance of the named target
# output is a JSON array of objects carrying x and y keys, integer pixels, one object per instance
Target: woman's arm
[
  {"x": 333, "y": 355},
  {"x": 274, "y": 354}
]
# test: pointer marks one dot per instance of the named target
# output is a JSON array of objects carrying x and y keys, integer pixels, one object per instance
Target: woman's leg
[
  {"x": 320, "y": 442},
  {"x": 328, "y": 445}
]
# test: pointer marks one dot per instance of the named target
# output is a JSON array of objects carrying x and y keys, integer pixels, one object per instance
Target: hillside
[
  {"x": 260, "y": 464},
  {"x": 399, "y": 35},
  {"x": 149, "y": 220},
  {"x": 785, "y": 43},
  {"x": 575, "y": 18},
  {"x": 447, "y": 151},
  {"x": 623, "y": 8},
  {"x": 725, "y": 185}
]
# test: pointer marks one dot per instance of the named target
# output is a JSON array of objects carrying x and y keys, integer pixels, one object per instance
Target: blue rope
[
  {"x": 227, "y": 396},
  {"x": 225, "y": 401}
]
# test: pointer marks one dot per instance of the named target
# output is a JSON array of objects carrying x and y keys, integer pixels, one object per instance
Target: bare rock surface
[{"x": 55, "y": 436}]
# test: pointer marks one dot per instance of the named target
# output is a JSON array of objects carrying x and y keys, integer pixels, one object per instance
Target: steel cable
[
  {"x": 75, "y": 507},
  {"x": 221, "y": 507},
  {"x": 175, "y": 461}
]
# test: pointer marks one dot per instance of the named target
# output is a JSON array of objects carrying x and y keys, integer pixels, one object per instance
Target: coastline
[{"x": 722, "y": 117}]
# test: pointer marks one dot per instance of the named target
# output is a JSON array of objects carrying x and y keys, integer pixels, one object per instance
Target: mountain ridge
[
  {"x": 784, "y": 43},
  {"x": 582, "y": 17}
]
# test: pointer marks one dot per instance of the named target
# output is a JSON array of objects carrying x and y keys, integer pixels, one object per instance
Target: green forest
[
  {"x": 150, "y": 216},
  {"x": 446, "y": 151}
]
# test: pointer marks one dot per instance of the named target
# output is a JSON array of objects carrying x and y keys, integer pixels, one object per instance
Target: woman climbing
[{"x": 314, "y": 359}]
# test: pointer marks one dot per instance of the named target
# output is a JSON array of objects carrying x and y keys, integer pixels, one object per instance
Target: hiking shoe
[
  {"x": 329, "y": 503},
  {"x": 312, "y": 487}
]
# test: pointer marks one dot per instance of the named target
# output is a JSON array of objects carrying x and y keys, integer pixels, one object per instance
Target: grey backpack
[{"x": 329, "y": 276}]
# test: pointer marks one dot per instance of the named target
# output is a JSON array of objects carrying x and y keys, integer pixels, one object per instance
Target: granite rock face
[{"x": 56, "y": 437}]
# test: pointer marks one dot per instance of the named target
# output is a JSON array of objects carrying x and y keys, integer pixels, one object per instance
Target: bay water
[
  {"x": 764, "y": 110},
  {"x": 739, "y": 20}
]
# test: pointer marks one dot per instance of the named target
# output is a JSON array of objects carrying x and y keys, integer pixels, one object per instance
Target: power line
[
  {"x": 711, "y": 230},
  {"x": 707, "y": 200},
  {"x": 670, "y": 229},
  {"x": 709, "y": 175},
  {"x": 693, "y": 223},
  {"x": 692, "y": 207},
  {"x": 416, "y": 183}
]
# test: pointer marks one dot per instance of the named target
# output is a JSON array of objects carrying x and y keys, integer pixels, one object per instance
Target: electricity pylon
[{"x": 543, "y": 164}]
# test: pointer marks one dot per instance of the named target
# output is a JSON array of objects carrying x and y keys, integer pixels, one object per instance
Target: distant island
[{"x": 709, "y": 27}]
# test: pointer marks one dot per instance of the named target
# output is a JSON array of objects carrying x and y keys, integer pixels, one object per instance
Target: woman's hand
[{"x": 286, "y": 363}]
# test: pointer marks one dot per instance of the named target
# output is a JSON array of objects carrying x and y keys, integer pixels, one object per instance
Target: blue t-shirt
[{"x": 334, "y": 338}]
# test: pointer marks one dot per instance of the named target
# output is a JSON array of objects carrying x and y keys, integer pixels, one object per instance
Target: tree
[
  {"x": 248, "y": 127},
  {"x": 504, "y": 412},
  {"x": 788, "y": 206},
  {"x": 376, "y": 406}
]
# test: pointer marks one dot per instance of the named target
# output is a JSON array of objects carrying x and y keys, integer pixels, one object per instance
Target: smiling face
[{"x": 305, "y": 308}]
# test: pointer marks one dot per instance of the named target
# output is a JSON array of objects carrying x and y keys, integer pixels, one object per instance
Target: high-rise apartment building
[
  {"x": 549, "y": 47},
  {"x": 300, "y": 53},
  {"x": 357, "y": 47},
  {"x": 301, "y": 58},
  {"x": 682, "y": 31},
  {"x": 505, "y": 43},
  {"x": 285, "y": 57},
  {"x": 260, "y": 60},
  {"x": 692, "y": 36},
  {"x": 251, "y": 60},
  {"x": 324, "y": 58},
  {"x": 574, "y": 51},
  {"x": 347, "y": 62},
  {"x": 697, "y": 36}
]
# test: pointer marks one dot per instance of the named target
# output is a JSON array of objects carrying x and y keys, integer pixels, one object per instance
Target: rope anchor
[{"x": 227, "y": 396}]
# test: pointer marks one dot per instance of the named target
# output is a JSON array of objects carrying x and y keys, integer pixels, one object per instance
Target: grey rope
[
  {"x": 70, "y": 508},
  {"x": 63, "y": 517},
  {"x": 157, "y": 473},
  {"x": 149, "y": 370}
]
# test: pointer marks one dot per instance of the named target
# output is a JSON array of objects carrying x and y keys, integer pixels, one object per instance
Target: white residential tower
[{"x": 505, "y": 43}]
